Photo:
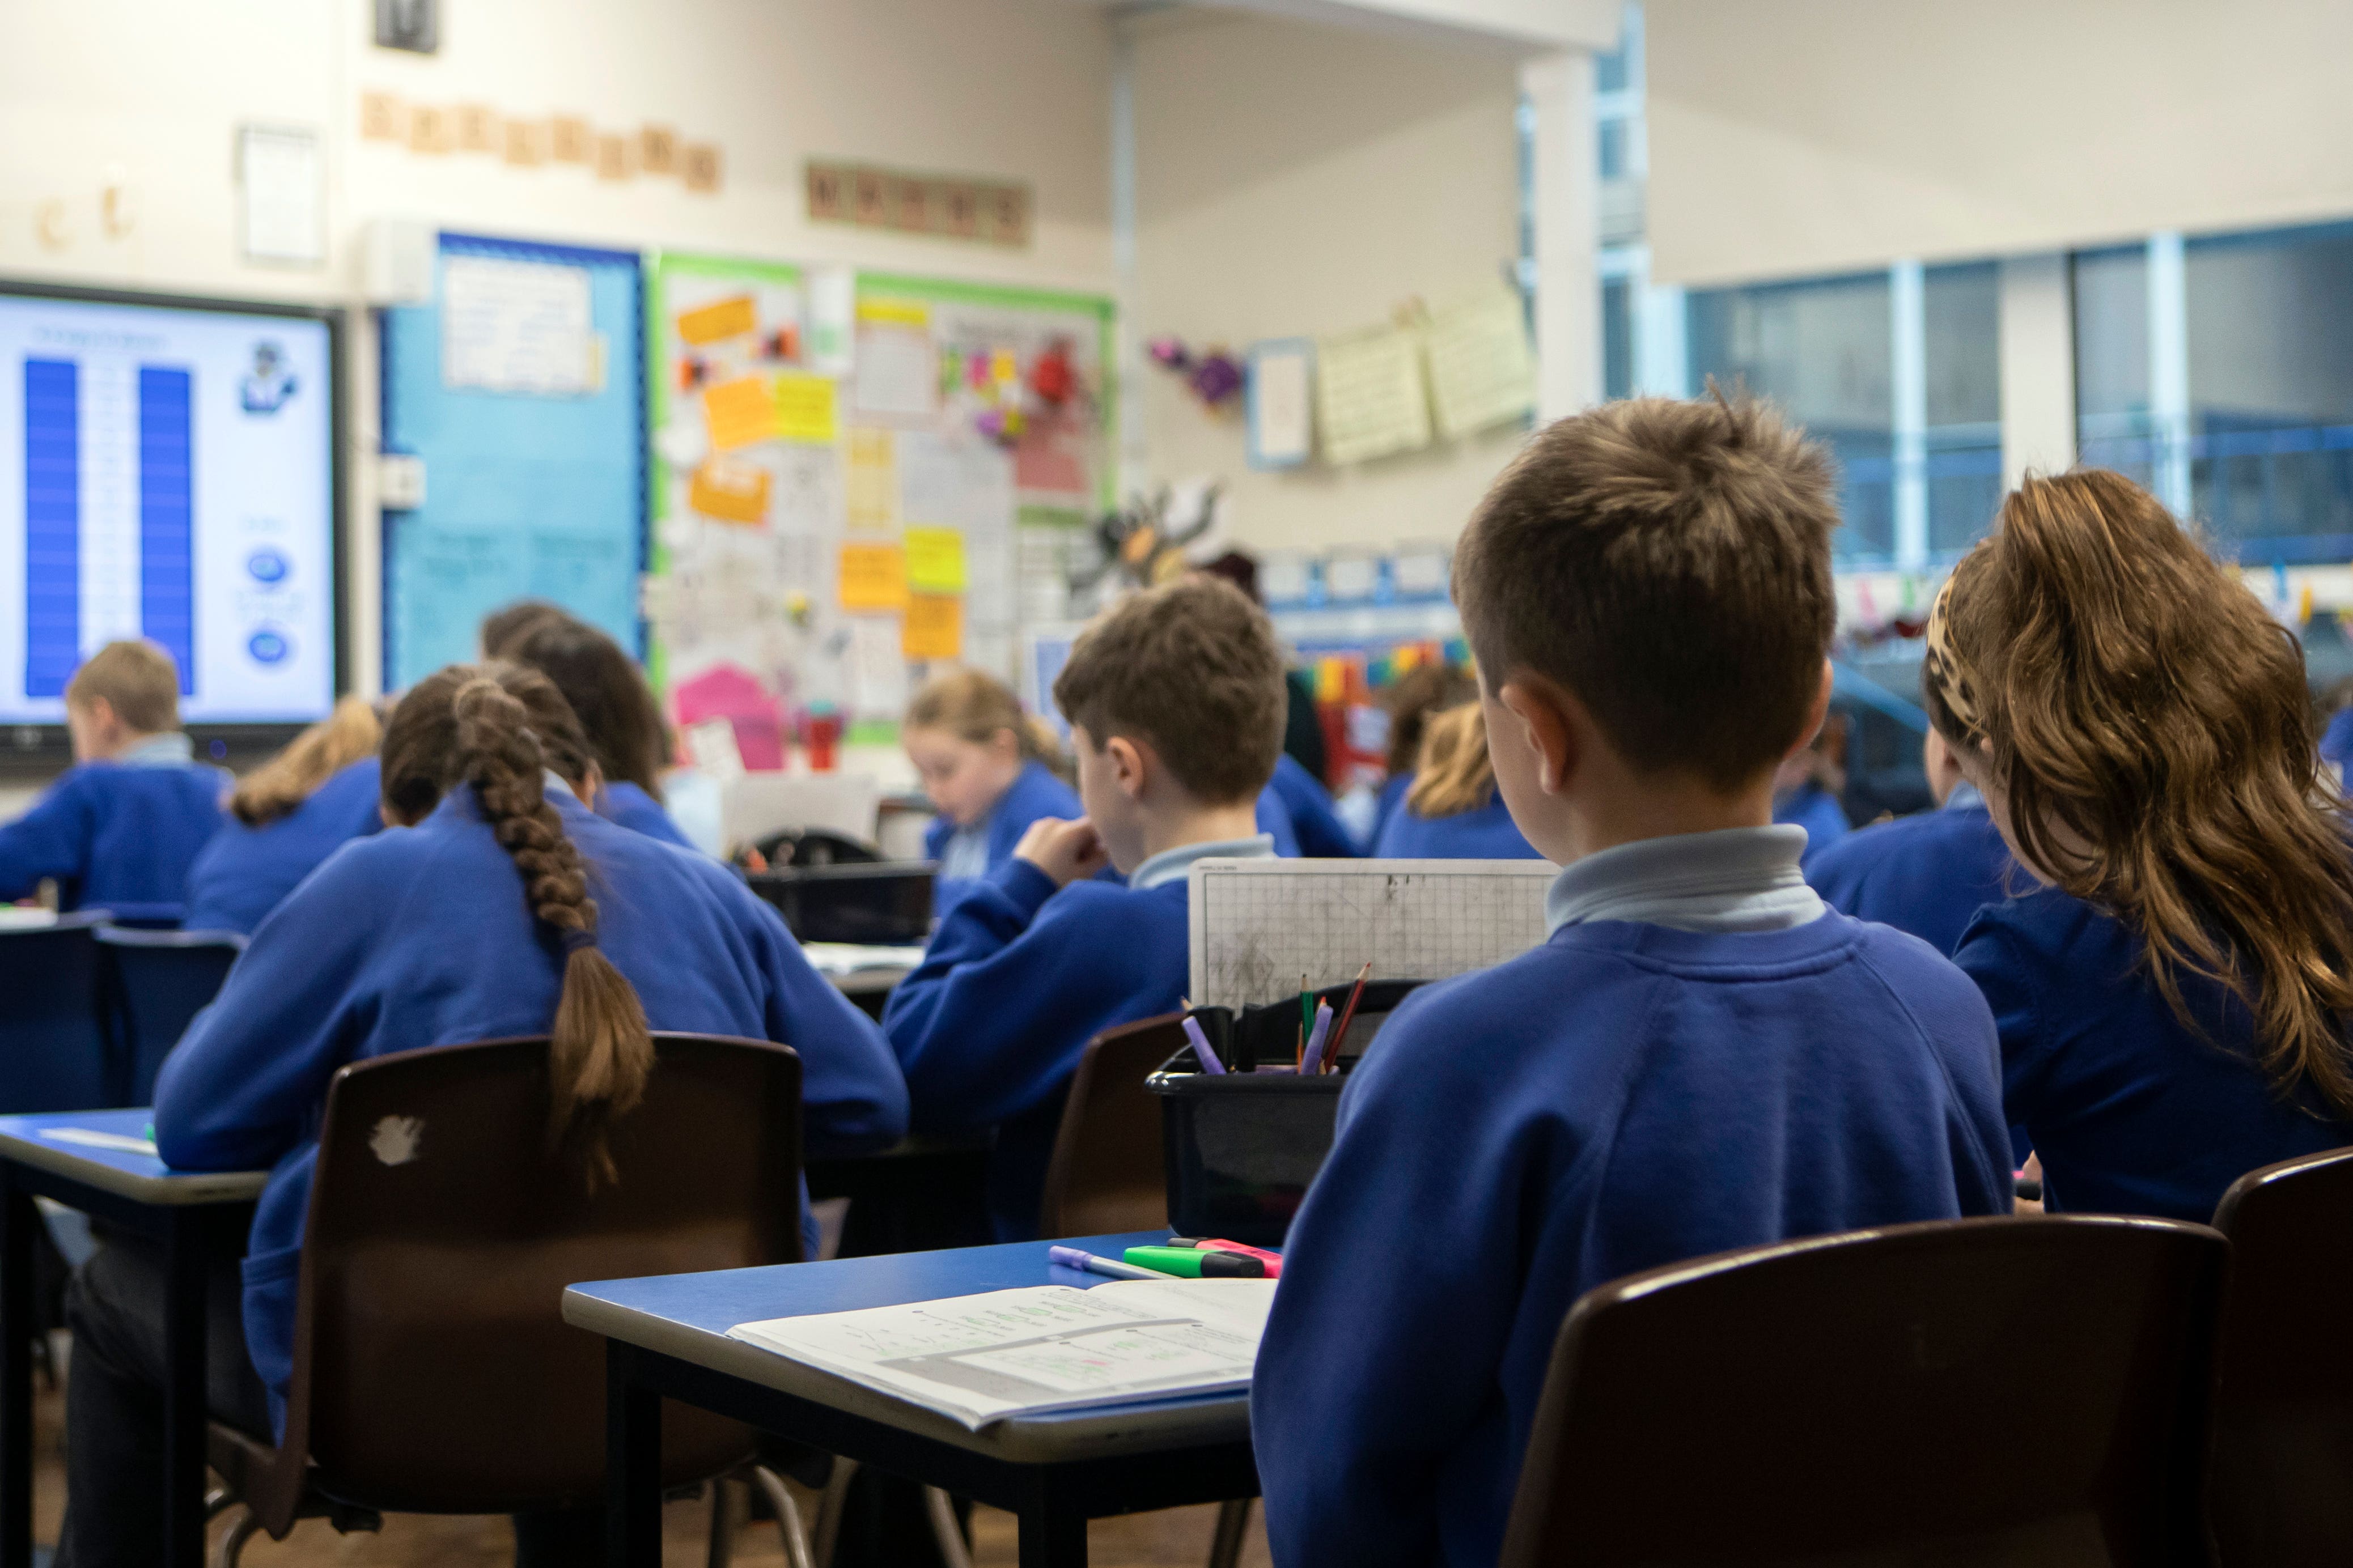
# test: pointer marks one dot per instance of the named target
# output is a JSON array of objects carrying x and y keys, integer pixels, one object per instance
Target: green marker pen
[{"x": 1193, "y": 1263}]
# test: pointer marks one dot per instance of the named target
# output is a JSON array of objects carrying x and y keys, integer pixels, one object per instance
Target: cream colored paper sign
[
  {"x": 1481, "y": 370},
  {"x": 1369, "y": 399}
]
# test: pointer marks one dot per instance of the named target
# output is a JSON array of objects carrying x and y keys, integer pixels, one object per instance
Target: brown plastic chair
[
  {"x": 2280, "y": 1490},
  {"x": 433, "y": 1371},
  {"x": 1106, "y": 1174},
  {"x": 1972, "y": 1394}
]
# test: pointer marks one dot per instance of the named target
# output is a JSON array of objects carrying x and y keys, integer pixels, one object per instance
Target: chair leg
[
  {"x": 946, "y": 1530},
  {"x": 216, "y": 1501},
  {"x": 788, "y": 1515},
  {"x": 829, "y": 1507},
  {"x": 232, "y": 1545},
  {"x": 1233, "y": 1529},
  {"x": 723, "y": 1523}
]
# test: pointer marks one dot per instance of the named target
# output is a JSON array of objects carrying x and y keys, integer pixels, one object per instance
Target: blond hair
[
  {"x": 1455, "y": 774},
  {"x": 974, "y": 706},
  {"x": 138, "y": 680},
  {"x": 275, "y": 788}
]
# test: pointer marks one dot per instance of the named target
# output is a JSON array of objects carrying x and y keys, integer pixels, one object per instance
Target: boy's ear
[
  {"x": 1818, "y": 713},
  {"x": 1552, "y": 724},
  {"x": 1131, "y": 763}
]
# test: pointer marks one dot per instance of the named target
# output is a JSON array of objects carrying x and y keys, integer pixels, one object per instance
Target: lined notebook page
[{"x": 1258, "y": 925}]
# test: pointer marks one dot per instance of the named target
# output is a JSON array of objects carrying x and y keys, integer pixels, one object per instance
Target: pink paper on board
[{"x": 730, "y": 692}]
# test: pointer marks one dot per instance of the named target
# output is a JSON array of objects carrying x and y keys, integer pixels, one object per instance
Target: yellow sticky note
[
  {"x": 712, "y": 323},
  {"x": 805, "y": 408},
  {"x": 873, "y": 577},
  {"x": 935, "y": 559},
  {"x": 730, "y": 491},
  {"x": 1004, "y": 367},
  {"x": 874, "y": 484},
  {"x": 934, "y": 627},
  {"x": 896, "y": 312},
  {"x": 740, "y": 412}
]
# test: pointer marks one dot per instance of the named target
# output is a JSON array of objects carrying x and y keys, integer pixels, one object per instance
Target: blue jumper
[
  {"x": 1486, "y": 833},
  {"x": 246, "y": 872},
  {"x": 1017, "y": 978},
  {"x": 421, "y": 936},
  {"x": 1926, "y": 874},
  {"x": 1817, "y": 810},
  {"x": 2132, "y": 1112},
  {"x": 1391, "y": 802},
  {"x": 119, "y": 835},
  {"x": 636, "y": 810},
  {"x": 1627, "y": 1095},
  {"x": 1308, "y": 805},
  {"x": 968, "y": 854}
]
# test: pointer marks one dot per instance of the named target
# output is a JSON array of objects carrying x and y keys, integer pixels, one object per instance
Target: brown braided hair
[{"x": 498, "y": 727}]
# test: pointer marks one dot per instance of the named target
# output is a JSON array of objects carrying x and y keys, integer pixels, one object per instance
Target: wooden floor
[{"x": 1176, "y": 1539}]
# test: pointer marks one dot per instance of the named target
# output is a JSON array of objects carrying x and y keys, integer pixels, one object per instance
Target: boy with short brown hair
[
  {"x": 1701, "y": 1056},
  {"x": 1175, "y": 705},
  {"x": 121, "y": 828}
]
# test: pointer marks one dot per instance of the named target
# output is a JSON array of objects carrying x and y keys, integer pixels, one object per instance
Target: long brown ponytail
[
  {"x": 499, "y": 727},
  {"x": 2148, "y": 720}
]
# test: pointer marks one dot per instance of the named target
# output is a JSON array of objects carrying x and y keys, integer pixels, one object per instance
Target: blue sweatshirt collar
[
  {"x": 1170, "y": 865},
  {"x": 1736, "y": 880},
  {"x": 173, "y": 750},
  {"x": 1965, "y": 797}
]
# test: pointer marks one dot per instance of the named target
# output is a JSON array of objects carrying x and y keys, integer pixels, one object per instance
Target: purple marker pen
[
  {"x": 1209, "y": 1062},
  {"x": 1072, "y": 1258}
]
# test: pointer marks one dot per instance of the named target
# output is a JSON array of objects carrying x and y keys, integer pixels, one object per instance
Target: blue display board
[{"x": 527, "y": 494}]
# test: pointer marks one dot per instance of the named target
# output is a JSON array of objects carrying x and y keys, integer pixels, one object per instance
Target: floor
[{"x": 1178, "y": 1538}]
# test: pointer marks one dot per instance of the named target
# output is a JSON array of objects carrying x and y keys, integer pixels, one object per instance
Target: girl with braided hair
[{"x": 494, "y": 904}]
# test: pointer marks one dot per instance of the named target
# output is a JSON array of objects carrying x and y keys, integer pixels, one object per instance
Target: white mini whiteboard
[{"x": 1258, "y": 925}]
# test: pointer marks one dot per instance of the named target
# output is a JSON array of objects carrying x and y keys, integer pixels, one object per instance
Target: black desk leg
[
  {"x": 632, "y": 1464},
  {"x": 1053, "y": 1534},
  {"x": 185, "y": 1411},
  {"x": 16, "y": 1222}
]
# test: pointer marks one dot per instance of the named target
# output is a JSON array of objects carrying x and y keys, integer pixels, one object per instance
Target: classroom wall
[
  {"x": 1297, "y": 180},
  {"x": 1796, "y": 137}
]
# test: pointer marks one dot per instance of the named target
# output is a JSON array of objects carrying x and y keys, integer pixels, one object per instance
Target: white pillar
[
  {"x": 2037, "y": 335},
  {"x": 1908, "y": 384},
  {"x": 1568, "y": 234},
  {"x": 1661, "y": 346},
  {"x": 1134, "y": 459},
  {"x": 2168, "y": 369}
]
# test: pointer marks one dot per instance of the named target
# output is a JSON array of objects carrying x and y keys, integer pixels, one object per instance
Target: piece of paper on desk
[
  {"x": 979, "y": 1359},
  {"x": 1480, "y": 371},
  {"x": 90, "y": 1138},
  {"x": 850, "y": 957},
  {"x": 1369, "y": 397}
]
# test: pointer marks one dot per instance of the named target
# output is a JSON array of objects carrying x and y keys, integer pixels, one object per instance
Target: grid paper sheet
[{"x": 1258, "y": 925}]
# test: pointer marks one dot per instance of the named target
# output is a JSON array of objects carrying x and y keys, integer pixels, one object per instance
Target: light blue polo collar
[
  {"x": 1734, "y": 879},
  {"x": 171, "y": 749},
  {"x": 1170, "y": 865}
]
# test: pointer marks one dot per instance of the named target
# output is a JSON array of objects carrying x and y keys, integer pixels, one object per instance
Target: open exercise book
[{"x": 978, "y": 1359}]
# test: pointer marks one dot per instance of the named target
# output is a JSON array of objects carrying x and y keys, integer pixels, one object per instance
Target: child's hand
[{"x": 1065, "y": 852}]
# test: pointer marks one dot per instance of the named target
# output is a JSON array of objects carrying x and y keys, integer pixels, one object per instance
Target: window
[
  {"x": 1616, "y": 337},
  {"x": 1822, "y": 350},
  {"x": 1961, "y": 309}
]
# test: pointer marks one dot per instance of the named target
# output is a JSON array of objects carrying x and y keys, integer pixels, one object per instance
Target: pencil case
[{"x": 1240, "y": 1149}]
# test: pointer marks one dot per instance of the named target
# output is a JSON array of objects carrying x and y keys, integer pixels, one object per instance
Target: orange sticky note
[
  {"x": 722, "y": 318},
  {"x": 873, "y": 577},
  {"x": 731, "y": 492},
  {"x": 740, "y": 412},
  {"x": 933, "y": 627}
]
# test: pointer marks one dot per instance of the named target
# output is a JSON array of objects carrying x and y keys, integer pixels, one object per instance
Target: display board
[
  {"x": 858, "y": 477},
  {"x": 522, "y": 386},
  {"x": 167, "y": 472}
]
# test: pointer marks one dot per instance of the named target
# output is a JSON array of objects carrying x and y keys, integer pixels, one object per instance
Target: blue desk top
[
  {"x": 34, "y": 1140},
  {"x": 687, "y": 1316}
]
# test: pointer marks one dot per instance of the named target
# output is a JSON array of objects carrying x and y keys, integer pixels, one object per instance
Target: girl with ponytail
[
  {"x": 495, "y": 904},
  {"x": 2174, "y": 1002},
  {"x": 1452, "y": 811},
  {"x": 287, "y": 815},
  {"x": 991, "y": 769}
]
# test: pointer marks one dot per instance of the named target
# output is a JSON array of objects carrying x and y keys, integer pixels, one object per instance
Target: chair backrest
[
  {"x": 56, "y": 1053},
  {"x": 1107, "y": 1172},
  {"x": 432, "y": 1367},
  {"x": 2280, "y": 1490},
  {"x": 160, "y": 980},
  {"x": 1977, "y": 1393}
]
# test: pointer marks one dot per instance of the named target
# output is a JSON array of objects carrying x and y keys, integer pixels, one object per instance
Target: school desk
[
  {"x": 193, "y": 1215},
  {"x": 667, "y": 1338}
]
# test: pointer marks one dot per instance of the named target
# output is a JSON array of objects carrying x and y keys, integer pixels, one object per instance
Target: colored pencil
[{"x": 1340, "y": 1030}]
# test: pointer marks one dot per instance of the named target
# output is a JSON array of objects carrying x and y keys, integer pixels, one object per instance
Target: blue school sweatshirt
[
  {"x": 2132, "y": 1112},
  {"x": 1926, "y": 874},
  {"x": 117, "y": 835},
  {"x": 245, "y": 872},
  {"x": 1817, "y": 810},
  {"x": 967, "y": 855},
  {"x": 636, "y": 810},
  {"x": 1303, "y": 799},
  {"x": 2337, "y": 740},
  {"x": 1391, "y": 802},
  {"x": 1487, "y": 834},
  {"x": 420, "y": 936},
  {"x": 1776, "y": 1073},
  {"x": 1274, "y": 823},
  {"x": 1017, "y": 978}
]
